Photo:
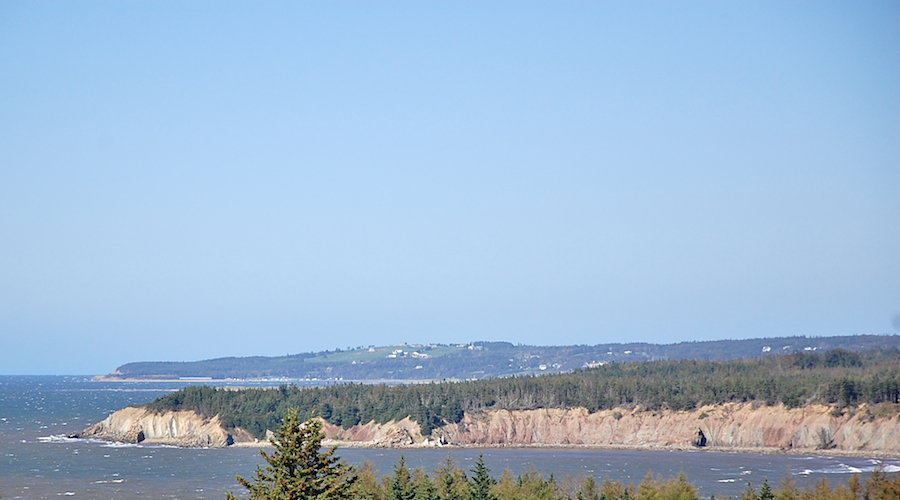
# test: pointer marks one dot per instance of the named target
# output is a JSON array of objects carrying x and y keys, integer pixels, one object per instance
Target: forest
[
  {"x": 449, "y": 482},
  {"x": 837, "y": 377}
]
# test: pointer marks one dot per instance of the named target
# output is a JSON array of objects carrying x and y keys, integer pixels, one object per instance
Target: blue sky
[{"x": 187, "y": 180}]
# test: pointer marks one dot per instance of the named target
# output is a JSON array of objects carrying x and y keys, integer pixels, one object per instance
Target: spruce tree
[
  {"x": 299, "y": 469},
  {"x": 749, "y": 494},
  {"x": 765, "y": 493},
  {"x": 482, "y": 482},
  {"x": 423, "y": 486},
  {"x": 400, "y": 486},
  {"x": 589, "y": 490},
  {"x": 451, "y": 481}
]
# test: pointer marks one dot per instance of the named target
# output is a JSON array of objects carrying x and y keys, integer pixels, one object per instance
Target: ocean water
[{"x": 37, "y": 461}]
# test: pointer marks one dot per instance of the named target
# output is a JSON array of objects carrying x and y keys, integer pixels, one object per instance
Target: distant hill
[
  {"x": 479, "y": 360},
  {"x": 865, "y": 384}
]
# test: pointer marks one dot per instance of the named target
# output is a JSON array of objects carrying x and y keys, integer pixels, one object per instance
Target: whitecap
[
  {"x": 726, "y": 480},
  {"x": 58, "y": 438},
  {"x": 805, "y": 472},
  {"x": 840, "y": 469},
  {"x": 114, "y": 444},
  {"x": 891, "y": 468},
  {"x": 746, "y": 472}
]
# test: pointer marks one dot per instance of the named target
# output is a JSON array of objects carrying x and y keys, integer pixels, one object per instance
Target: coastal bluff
[
  {"x": 138, "y": 425},
  {"x": 727, "y": 427}
]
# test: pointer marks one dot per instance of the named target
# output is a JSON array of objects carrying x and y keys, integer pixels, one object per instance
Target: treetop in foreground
[{"x": 299, "y": 469}]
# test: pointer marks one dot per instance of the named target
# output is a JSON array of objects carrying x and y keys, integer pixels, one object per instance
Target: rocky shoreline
[{"x": 814, "y": 429}]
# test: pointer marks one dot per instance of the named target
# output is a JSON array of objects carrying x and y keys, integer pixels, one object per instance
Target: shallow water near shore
[{"x": 38, "y": 461}]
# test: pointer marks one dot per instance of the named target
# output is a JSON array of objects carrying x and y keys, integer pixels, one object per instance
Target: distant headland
[{"x": 407, "y": 363}]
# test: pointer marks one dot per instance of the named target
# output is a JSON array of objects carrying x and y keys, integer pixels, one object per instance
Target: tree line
[
  {"x": 300, "y": 469},
  {"x": 449, "y": 482},
  {"x": 838, "y": 377}
]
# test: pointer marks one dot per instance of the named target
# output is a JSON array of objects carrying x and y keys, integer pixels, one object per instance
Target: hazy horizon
[{"x": 185, "y": 181}]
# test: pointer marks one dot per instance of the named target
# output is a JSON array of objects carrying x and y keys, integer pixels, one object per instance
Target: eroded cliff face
[
  {"x": 178, "y": 428},
  {"x": 731, "y": 426},
  {"x": 405, "y": 434}
]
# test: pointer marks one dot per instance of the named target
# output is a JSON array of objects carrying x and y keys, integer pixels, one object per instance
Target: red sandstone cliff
[{"x": 731, "y": 426}]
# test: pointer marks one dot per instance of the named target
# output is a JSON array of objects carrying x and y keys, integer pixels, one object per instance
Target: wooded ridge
[
  {"x": 838, "y": 377},
  {"x": 478, "y": 360}
]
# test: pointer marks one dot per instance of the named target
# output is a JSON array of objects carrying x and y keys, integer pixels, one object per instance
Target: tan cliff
[
  {"x": 735, "y": 427},
  {"x": 179, "y": 428}
]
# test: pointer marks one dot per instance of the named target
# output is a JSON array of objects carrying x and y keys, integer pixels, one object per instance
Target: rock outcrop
[
  {"x": 402, "y": 434},
  {"x": 737, "y": 427},
  {"x": 179, "y": 428}
]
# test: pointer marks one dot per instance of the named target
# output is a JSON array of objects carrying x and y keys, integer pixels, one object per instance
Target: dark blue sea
[{"x": 38, "y": 461}]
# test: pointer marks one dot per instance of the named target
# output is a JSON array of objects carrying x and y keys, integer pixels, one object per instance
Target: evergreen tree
[
  {"x": 451, "y": 481},
  {"x": 880, "y": 486},
  {"x": 482, "y": 482},
  {"x": 400, "y": 486},
  {"x": 589, "y": 490},
  {"x": 610, "y": 490},
  {"x": 298, "y": 469},
  {"x": 367, "y": 487},
  {"x": 749, "y": 494},
  {"x": 423, "y": 486},
  {"x": 788, "y": 489},
  {"x": 765, "y": 492}
]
